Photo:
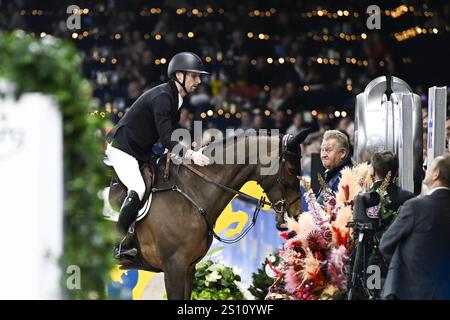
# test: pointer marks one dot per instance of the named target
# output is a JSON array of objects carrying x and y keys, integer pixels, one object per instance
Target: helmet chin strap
[{"x": 183, "y": 83}]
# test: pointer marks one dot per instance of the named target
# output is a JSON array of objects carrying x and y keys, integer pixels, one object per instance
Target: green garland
[{"x": 53, "y": 66}]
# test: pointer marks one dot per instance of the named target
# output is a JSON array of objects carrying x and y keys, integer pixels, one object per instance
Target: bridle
[{"x": 279, "y": 207}]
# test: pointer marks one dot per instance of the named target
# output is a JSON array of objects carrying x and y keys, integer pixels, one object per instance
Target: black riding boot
[{"x": 128, "y": 212}]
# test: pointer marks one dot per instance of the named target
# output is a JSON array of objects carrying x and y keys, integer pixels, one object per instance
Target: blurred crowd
[{"x": 274, "y": 64}]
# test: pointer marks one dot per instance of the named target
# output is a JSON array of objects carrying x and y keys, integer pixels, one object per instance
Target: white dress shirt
[{"x": 180, "y": 101}]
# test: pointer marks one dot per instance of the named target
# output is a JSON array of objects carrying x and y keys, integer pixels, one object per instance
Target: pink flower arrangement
[{"x": 314, "y": 259}]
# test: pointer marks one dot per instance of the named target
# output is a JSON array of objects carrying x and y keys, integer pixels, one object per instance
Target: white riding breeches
[{"x": 127, "y": 169}]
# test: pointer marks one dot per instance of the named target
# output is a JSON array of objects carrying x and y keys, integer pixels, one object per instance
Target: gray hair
[{"x": 339, "y": 136}]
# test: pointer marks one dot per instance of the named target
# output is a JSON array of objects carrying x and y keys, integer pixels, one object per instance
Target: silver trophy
[{"x": 393, "y": 124}]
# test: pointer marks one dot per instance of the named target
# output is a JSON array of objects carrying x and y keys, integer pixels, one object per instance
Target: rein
[{"x": 279, "y": 206}]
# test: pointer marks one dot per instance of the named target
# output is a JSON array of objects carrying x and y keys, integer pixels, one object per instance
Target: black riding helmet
[{"x": 185, "y": 62}]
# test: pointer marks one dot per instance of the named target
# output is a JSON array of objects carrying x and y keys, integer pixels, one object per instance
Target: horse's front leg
[
  {"x": 174, "y": 281},
  {"x": 178, "y": 278},
  {"x": 189, "y": 282}
]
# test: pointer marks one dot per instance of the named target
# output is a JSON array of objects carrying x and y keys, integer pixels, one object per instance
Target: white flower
[
  {"x": 213, "y": 277},
  {"x": 217, "y": 266}
]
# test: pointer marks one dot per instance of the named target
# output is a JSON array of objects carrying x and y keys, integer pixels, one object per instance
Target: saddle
[
  {"x": 118, "y": 191},
  {"x": 153, "y": 173}
]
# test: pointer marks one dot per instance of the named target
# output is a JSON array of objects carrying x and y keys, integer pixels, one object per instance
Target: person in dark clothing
[
  {"x": 335, "y": 156},
  {"x": 418, "y": 242},
  {"x": 383, "y": 162},
  {"x": 153, "y": 117}
]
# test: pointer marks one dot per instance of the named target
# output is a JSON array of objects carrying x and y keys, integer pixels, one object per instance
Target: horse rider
[{"x": 152, "y": 118}]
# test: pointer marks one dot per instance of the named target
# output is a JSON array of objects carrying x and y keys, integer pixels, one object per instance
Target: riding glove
[{"x": 197, "y": 157}]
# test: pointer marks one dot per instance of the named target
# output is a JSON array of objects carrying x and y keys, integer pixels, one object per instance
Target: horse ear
[{"x": 294, "y": 142}]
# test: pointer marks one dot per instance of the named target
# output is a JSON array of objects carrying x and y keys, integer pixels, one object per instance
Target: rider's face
[{"x": 192, "y": 81}]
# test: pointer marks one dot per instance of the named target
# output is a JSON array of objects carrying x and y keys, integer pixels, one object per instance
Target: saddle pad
[{"x": 110, "y": 214}]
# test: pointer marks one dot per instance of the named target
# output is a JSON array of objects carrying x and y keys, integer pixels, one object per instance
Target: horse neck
[{"x": 234, "y": 176}]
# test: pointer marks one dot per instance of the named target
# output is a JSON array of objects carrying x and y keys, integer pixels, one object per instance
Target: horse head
[{"x": 283, "y": 187}]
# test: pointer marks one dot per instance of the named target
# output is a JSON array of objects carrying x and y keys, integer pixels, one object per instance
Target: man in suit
[{"x": 418, "y": 242}]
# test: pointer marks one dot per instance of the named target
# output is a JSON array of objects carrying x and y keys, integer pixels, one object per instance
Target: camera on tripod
[
  {"x": 366, "y": 211},
  {"x": 366, "y": 223}
]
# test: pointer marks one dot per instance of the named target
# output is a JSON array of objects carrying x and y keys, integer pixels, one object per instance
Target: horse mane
[{"x": 238, "y": 137}]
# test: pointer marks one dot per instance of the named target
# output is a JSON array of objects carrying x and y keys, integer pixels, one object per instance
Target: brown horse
[{"x": 174, "y": 235}]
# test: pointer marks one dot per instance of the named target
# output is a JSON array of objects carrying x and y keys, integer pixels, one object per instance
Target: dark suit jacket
[
  {"x": 332, "y": 179},
  {"x": 154, "y": 116},
  {"x": 418, "y": 247}
]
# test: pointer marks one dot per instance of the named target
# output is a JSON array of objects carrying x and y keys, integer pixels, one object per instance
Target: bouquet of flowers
[
  {"x": 313, "y": 260},
  {"x": 216, "y": 281}
]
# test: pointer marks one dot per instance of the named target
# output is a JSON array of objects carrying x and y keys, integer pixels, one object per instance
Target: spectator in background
[
  {"x": 335, "y": 155},
  {"x": 258, "y": 122},
  {"x": 246, "y": 119},
  {"x": 291, "y": 99},
  {"x": 351, "y": 134},
  {"x": 310, "y": 146},
  {"x": 134, "y": 91},
  {"x": 259, "y": 74},
  {"x": 383, "y": 162},
  {"x": 276, "y": 98},
  {"x": 124, "y": 46},
  {"x": 280, "y": 121},
  {"x": 344, "y": 123},
  {"x": 324, "y": 126},
  {"x": 296, "y": 126},
  {"x": 350, "y": 146}
]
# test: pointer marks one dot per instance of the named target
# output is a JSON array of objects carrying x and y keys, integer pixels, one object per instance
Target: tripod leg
[{"x": 357, "y": 265}]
